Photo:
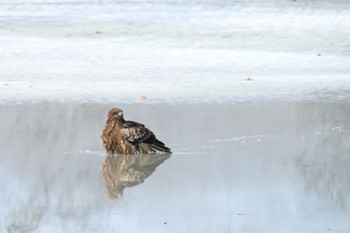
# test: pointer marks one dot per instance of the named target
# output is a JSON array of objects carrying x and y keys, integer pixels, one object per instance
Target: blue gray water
[{"x": 272, "y": 167}]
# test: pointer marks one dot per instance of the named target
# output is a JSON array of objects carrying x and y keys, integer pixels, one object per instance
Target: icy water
[{"x": 247, "y": 167}]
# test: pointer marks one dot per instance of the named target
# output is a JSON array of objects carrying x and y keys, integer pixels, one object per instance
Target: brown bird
[{"x": 128, "y": 137}]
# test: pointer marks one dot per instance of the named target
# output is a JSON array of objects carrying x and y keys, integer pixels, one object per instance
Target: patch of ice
[
  {"x": 344, "y": 129},
  {"x": 87, "y": 152},
  {"x": 257, "y": 138}
]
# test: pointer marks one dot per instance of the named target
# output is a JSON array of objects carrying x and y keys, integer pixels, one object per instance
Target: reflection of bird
[
  {"x": 129, "y": 137},
  {"x": 122, "y": 170}
]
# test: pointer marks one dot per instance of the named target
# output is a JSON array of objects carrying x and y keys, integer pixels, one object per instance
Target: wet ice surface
[{"x": 268, "y": 167}]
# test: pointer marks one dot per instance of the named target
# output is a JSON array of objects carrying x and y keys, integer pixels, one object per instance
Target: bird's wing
[{"x": 135, "y": 132}]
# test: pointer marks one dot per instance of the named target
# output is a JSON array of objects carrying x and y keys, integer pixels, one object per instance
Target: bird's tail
[
  {"x": 159, "y": 148},
  {"x": 156, "y": 147}
]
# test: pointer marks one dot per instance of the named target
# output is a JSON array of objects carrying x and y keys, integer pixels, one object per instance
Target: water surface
[{"x": 268, "y": 167}]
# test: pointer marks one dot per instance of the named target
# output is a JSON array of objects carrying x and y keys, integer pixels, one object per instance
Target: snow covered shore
[{"x": 167, "y": 52}]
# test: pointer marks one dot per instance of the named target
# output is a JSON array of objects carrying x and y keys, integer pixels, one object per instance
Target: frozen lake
[
  {"x": 173, "y": 51},
  {"x": 271, "y": 167}
]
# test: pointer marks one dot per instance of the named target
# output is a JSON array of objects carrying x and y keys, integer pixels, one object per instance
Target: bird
[{"x": 129, "y": 137}]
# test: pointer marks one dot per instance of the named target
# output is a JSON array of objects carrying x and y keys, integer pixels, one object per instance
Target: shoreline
[
  {"x": 226, "y": 90},
  {"x": 322, "y": 95}
]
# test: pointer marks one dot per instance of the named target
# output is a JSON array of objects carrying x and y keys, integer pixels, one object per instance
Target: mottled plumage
[{"x": 129, "y": 137}]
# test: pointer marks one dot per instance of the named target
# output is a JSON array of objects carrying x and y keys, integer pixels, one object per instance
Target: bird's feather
[{"x": 125, "y": 137}]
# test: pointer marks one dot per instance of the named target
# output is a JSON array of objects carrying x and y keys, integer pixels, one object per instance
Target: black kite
[{"x": 128, "y": 137}]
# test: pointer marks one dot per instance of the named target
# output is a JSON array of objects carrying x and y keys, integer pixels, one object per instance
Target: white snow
[{"x": 173, "y": 52}]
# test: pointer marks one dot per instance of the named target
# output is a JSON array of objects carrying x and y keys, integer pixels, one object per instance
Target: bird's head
[{"x": 115, "y": 114}]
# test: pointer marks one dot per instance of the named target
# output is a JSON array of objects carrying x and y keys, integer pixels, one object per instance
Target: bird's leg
[{"x": 138, "y": 150}]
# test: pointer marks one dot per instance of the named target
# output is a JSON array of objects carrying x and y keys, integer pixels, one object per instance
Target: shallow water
[{"x": 268, "y": 167}]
